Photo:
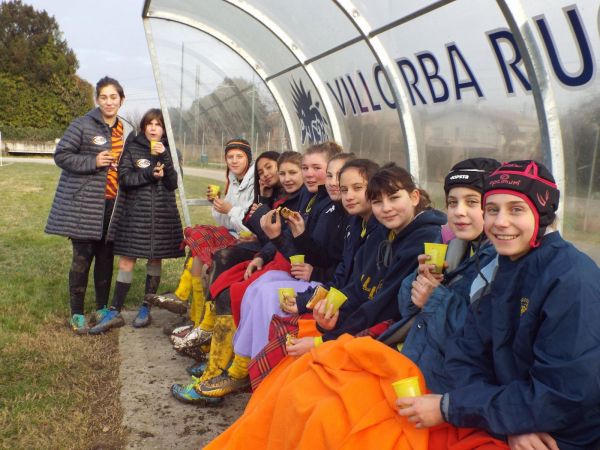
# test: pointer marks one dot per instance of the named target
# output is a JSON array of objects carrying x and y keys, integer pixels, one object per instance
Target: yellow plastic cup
[
  {"x": 153, "y": 151},
  {"x": 286, "y": 292},
  {"x": 336, "y": 298},
  {"x": 214, "y": 190},
  {"x": 438, "y": 255},
  {"x": 245, "y": 234},
  {"x": 297, "y": 259},
  {"x": 407, "y": 387}
]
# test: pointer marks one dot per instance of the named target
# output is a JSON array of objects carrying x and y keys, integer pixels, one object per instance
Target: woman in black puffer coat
[{"x": 146, "y": 223}]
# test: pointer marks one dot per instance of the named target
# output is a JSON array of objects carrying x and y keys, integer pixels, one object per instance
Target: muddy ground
[{"x": 152, "y": 417}]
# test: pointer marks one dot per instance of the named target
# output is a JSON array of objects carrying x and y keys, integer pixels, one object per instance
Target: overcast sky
[{"x": 108, "y": 38}]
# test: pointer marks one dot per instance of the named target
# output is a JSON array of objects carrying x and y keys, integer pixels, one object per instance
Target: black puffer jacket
[
  {"x": 78, "y": 207},
  {"x": 146, "y": 222}
]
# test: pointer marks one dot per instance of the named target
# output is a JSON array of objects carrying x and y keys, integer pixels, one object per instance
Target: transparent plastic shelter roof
[{"x": 422, "y": 83}]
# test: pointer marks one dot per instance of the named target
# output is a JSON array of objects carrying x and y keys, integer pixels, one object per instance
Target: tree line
[{"x": 40, "y": 92}]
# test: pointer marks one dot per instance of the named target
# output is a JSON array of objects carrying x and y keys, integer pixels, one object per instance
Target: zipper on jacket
[{"x": 152, "y": 219}]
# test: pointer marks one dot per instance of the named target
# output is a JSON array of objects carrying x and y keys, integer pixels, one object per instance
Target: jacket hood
[
  {"x": 248, "y": 179},
  {"x": 428, "y": 217},
  {"x": 96, "y": 115}
]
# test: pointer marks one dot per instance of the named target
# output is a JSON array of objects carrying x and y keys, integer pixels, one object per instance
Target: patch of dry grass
[
  {"x": 62, "y": 391},
  {"x": 57, "y": 390}
]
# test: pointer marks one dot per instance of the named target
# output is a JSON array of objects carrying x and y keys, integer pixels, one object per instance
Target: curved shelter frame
[{"x": 423, "y": 83}]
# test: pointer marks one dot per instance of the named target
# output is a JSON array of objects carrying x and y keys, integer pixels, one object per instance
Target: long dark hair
[
  {"x": 273, "y": 156},
  {"x": 365, "y": 167},
  {"x": 389, "y": 179}
]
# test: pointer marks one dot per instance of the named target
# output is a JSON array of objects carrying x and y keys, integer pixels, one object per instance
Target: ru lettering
[
  {"x": 586, "y": 72},
  {"x": 496, "y": 38}
]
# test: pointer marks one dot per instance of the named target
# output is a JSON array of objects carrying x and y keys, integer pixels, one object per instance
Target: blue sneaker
[
  {"x": 98, "y": 315},
  {"x": 112, "y": 319},
  {"x": 187, "y": 394},
  {"x": 143, "y": 318},
  {"x": 78, "y": 325}
]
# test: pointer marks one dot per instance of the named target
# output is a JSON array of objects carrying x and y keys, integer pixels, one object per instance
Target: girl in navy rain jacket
[
  {"x": 527, "y": 364},
  {"x": 389, "y": 254},
  {"x": 434, "y": 306}
]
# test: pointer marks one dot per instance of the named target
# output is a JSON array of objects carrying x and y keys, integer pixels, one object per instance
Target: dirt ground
[{"x": 152, "y": 417}]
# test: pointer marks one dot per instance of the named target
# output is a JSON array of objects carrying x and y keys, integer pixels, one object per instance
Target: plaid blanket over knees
[
  {"x": 261, "y": 365},
  {"x": 205, "y": 240}
]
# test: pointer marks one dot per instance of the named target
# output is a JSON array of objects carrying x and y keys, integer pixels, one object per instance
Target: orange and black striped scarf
[{"x": 112, "y": 180}]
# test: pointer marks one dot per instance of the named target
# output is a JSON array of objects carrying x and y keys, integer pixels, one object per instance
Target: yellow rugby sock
[
  {"x": 221, "y": 347},
  {"x": 198, "y": 301},
  {"x": 208, "y": 320},
  {"x": 184, "y": 289},
  {"x": 239, "y": 367}
]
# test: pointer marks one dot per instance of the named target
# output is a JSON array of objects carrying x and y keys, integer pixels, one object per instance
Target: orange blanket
[
  {"x": 338, "y": 396},
  {"x": 313, "y": 404}
]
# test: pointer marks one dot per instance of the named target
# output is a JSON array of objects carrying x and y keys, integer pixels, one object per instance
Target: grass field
[{"x": 57, "y": 390}]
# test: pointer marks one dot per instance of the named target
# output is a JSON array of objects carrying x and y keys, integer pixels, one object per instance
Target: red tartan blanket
[
  {"x": 205, "y": 240},
  {"x": 275, "y": 350},
  {"x": 234, "y": 280}
]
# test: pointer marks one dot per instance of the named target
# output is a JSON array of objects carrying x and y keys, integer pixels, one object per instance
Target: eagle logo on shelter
[{"x": 312, "y": 123}]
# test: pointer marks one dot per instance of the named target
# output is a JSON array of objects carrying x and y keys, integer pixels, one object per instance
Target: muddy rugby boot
[
  {"x": 168, "y": 301},
  {"x": 223, "y": 385},
  {"x": 195, "y": 337},
  {"x": 189, "y": 394}
]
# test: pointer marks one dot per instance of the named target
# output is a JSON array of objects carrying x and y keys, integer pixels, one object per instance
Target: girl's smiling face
[
  {"x": 465, "y": 215},
  {"x": 109, "y": 101},
  {"x": 237, "y": 162},
  {"x": 314, "y": 170},
  {"x": 353, "y": 187},
  {"x": 290, "y": 177},
  {"x": 331, "y": 179},
  {"x": 267, "y": 172},
  {"x": 397, "y": 210},
  {"x": 509, "y": 223}
]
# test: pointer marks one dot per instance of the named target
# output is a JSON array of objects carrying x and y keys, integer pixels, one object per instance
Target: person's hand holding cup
[
  {"x": 335, "y": 299},
  {"x": 156, "y": 148},
  {"x": 104, "y": 159},
  {"x": 285, "y": 293},
  {"x": 297, "y": 259},
  {"x": 436, "y": 256},
  {"x": 212, "y": 191}
]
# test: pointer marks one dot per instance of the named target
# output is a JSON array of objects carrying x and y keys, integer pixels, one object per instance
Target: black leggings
[
  {"x": 223, "y": 260},
  {"x": 226, "y": 258},
  {"x": 84, "y": 251}
]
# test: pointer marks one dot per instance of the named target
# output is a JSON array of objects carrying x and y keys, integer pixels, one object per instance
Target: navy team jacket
[
  {"x": 379, "y": 268},
  {"x": 528, "y": 359}
]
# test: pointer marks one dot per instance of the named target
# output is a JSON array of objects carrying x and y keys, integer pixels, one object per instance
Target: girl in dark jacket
[
  {"x": 266, "y": 190},
  {"x": 526, "y": 365},
  {"x": 88, "y": 155},
  {"x": 323, "y": 226},
  {"x": 147, "y": 223},
  {"x": 390, "y": 253},
  {"x": 287, "y": 195}
]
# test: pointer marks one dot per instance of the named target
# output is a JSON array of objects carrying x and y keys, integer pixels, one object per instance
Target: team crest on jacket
[
  {"x": 99, "y": 140},
  {"x": 142, "y": 163},
  {"x": 524, "y": 305}
]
